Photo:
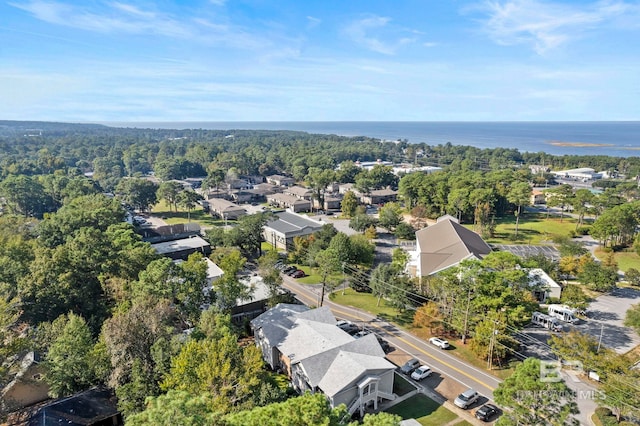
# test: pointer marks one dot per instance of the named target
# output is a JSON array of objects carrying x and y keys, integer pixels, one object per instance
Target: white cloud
[
  {"x": 116, "y": 18},
  {"x": 313, "y": 21},
  {"x": 124, "y": 18},
  {"x": 360, "y": 32},
  {"x": 547, "y": 25}
]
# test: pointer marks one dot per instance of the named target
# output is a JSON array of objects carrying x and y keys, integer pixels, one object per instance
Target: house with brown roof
[
  {"x": 280, "y": 180},
  {"x": 290, "y": 202},
  {"x": 379, "y": 196},
  {"x": 299, "y": 192},
  {"x": 225, "y": 209},
  {"x": 443, "y": 245},
  {"x": 537, "y": 197},
  {"x": 27, "y": 387}
]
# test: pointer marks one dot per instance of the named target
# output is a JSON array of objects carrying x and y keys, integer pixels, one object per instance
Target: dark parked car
[
  {"x": 348, "y": 326},
  {"x": 298, "y": 274},
  {"x": 290, "y": 273},
  {"x": 486, "y": 412},
  {"x": 289, "y": 269},
  {"x": 409, "y": 366},
  {"x": 386, "y": 347}
]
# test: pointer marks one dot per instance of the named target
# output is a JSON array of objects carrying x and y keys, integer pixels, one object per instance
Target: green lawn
[
  {"x": 369, "y": 303},
  {"x": 534, "y": 228},
  {"x": 465, "y": 353},
  {"x": 625, "y": 259},
  {"x": 425, "y": 410},
  {"x": 205, "y": 220},
  {"x": 402, "y": 386}
]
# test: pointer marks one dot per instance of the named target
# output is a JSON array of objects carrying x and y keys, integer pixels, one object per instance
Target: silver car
[{"x": 466, "y": 399}]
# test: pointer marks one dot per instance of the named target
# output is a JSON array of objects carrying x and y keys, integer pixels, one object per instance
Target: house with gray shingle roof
[
  {"x": 443, "y": 245},
  {"x": 287, "y": 225},
  {"x": 318, "y": 356}
]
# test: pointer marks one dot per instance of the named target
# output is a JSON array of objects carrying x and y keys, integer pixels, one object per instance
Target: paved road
[
  {"x": 446, "y": 367},
  {"x": 440, "y": 361}
]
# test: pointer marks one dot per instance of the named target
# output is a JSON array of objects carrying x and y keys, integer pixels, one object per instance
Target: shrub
[
  {"x": 603, "y": 412},
  {"x": 583, "y": 230}
]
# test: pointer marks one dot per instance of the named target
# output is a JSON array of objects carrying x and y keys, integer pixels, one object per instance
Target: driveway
[{"x": 341, "y": 225}]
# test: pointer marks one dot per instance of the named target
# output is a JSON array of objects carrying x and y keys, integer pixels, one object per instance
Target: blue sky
[{"x": 312, "y": 60}]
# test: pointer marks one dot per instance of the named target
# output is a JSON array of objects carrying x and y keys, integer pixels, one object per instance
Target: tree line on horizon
[{"x": 104, "y": 308}]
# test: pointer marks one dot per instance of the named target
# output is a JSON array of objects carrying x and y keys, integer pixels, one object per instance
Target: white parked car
[
  {"x": 421, "y": 372},
  {"x": 466, "y": 399},
  {"x": 441, "y": 343}
]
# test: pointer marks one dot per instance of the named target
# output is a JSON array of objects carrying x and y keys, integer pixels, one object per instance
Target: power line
[{"x": 511, "y": 328}]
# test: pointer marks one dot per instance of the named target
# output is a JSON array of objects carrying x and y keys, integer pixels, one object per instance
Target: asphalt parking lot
[
  {"x": 523, "y": 250},
  {"x": 605, "y": 316}
]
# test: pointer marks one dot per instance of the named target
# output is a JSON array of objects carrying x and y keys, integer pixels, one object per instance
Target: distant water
[{"x": 613, "y": 138}]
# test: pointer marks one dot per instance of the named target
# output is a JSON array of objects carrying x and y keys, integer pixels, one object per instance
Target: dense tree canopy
[
  {"x": 106, "y": 309},
  {"x": 532, "y": 401}
]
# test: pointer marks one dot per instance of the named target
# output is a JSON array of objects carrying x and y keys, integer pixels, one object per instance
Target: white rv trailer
[
  {"x": 563, "y": 313},
  {"x": 546, "y": 321}
]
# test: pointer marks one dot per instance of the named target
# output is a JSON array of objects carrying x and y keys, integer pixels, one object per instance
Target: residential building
[
  {"x": 27, "y": 386},
  {"x": 170, "y": 232},
  {"x": 280, "y": 180},
  {"x": 299, "y": 192},
  {"x": 332, "y": 203},
  {"x": 238, "y": 184},
  {"x": 537, "y": 197},
  {"x": 379, "y": 196},
  {"x": 182, "y": 248},
  {"x": 224, "y": 209},
  {"x": 443, "y": 245},
  {"x": 320, "y": 357},
  {"x": 245, "y": 196},
  {"x": 94, "y": 407},
  {"x": 286, "y": 225},
  {"x": 290, "y": 202}
]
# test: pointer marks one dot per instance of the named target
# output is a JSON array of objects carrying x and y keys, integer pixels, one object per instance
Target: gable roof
[
  {"x": 331, "y": 359},
  {"x": 308, "y": 337},
  {"x": 336, "y": 368},
  {"x": 298, "y": 191},
  {"x": 538, "y": 276},
  {"x": 447, "y": 243},
  {"x": 290, "y": 223},
  {"x": 222, "y": 205},
  {"x": 276, "y": 322}
]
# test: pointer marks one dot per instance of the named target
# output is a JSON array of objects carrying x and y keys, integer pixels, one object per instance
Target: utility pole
[
  {"x": 600, "y": 339},
  {"x": 466, "y": 318},
  {"x": 491, "y": 344}
]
